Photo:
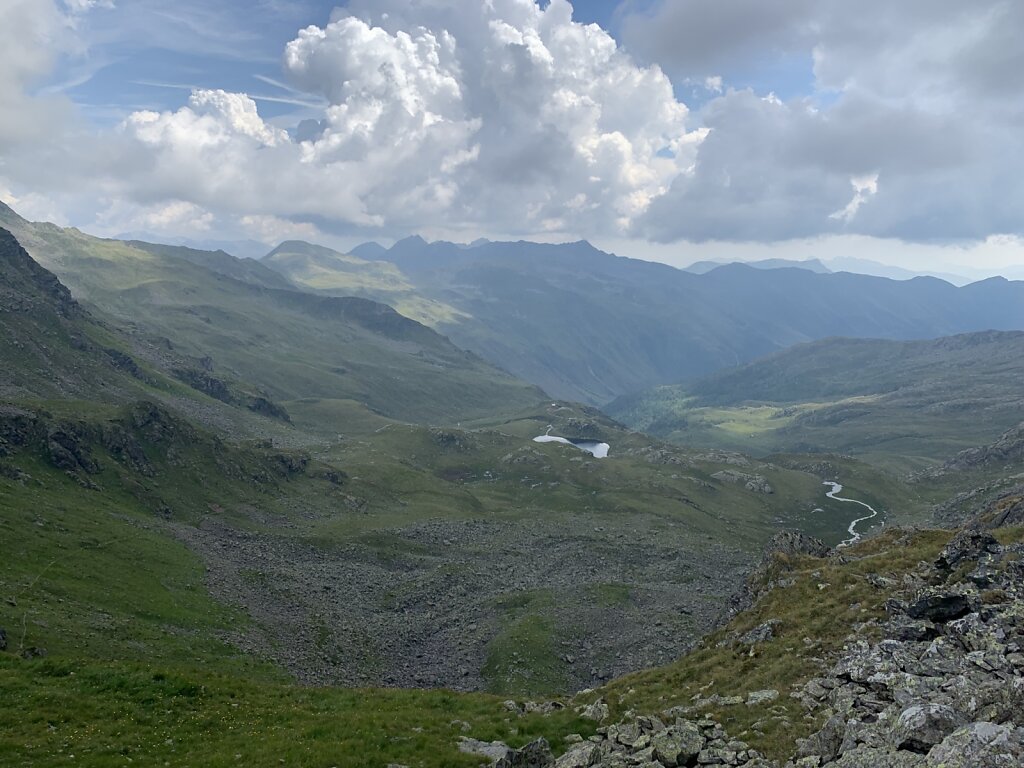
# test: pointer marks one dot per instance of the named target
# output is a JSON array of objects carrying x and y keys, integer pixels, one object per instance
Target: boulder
[
  {"x": 754, "y": 698},
  {"x": 493, "y": 750},
  {"x": 966, "y": 546},
  {"x": 922, "y": 726},
  {"x": 939, "y": 605},
  {"x": 536, "y": 754},
  {"x": 825, "y": 743},
  {"x": 580, "y": 756},
  {"x": 762, "y": 633},
  {"x": 678, "y": 744},
  {"x": 598, "y": 711},
  {"x": 979, "y": 745}
]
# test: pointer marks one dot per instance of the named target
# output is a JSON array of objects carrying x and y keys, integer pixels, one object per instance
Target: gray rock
[
  {"x": 598, "y": 711},
  {"x": 979, "y": 745},
  {"x": 922, "y": 726},
  {"x": 875, "y": 757},
  {"x": 755, "y": 698},
  {"x": 678, "y": 744},
  {"x": 536, "y": 754},
  {"x": 939, "y": 605},
  {"x": 493, "y": 750},
  {"x": 825, "y": 743},
  {"x": 580, "y": 756},
  {"x": 761, "y": 633},
  {"x": 966, "y": 546}
]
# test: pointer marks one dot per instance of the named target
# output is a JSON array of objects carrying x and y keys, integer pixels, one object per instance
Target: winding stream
[{"x": 852, "y": 530}]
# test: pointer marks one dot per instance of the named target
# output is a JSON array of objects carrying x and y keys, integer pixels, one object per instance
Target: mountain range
[{"x": 589, "y": 326}]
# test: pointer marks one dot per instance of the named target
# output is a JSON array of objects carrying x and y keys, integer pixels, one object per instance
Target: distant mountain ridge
[
  {"x": 588, "y": 325},
  {"x": 813, "y": 265},
  {"x": 917, "y": 400}
]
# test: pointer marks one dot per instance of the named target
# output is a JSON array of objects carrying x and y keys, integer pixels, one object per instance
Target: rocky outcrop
[
  {"x": 943, "y": 686},
  {"x": 647, "y": 742},
  {"x": 755, "y": 483},
  {"x": 1008, "y": 448}
]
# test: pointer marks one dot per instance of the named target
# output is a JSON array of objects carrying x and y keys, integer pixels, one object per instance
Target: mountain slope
[
  {"x": 912, "y": 400},
  {"x": 292, "y": 344},
  {"x": 590, "y": 326}
]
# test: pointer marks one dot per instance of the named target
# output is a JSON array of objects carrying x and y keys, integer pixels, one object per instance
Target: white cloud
[
  {"x": 32, "y": 35},
  {"x": 863, "y": 188},
  {"x": 492, "y": 115},
  {"x": 925, "y": 92}
]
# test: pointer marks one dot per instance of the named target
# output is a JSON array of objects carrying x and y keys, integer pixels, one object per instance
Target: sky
[{"x": 674, "y": 130}]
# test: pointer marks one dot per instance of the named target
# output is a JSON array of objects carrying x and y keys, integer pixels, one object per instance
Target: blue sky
[{"x": 146, "y": 54}]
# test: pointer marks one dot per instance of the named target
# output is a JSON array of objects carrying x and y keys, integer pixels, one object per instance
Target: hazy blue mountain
[
  {"x": 869, "y": 267},
  {"x": 814, "y": 265},
  {"x": 591, "y": 326}
]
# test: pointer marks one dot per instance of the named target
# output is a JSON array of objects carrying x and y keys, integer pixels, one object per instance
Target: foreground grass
[{"x": 61, "y": 712}]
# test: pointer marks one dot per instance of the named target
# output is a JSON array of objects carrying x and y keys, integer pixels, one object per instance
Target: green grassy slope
[
  {"x": 324, "y": 270},
  {"x": 907, "y": 404},
  {"x": 291, "y": 344},
  {"x": 116, "y": 652}
]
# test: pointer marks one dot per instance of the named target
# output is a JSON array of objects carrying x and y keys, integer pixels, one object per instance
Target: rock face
[
  {"x": 755, "y": 483},
  {"x": 944, "y": 687}
]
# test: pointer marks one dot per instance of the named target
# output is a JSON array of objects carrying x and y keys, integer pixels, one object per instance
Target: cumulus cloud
[
  {"x": 498, "y": 115},
  {"x": 926, "y": 93},
  {"x": 32, "y": 34}
]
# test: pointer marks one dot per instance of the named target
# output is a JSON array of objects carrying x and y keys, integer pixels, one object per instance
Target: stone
[
  {"x": 905, "y": 628},
  {"x": 922, "y": 726},
  {"x": 598, "y": 711},
  {"x": 966, "y": 546},
  {"x": 761, "y": 633},
  {"x": 678, "y": 744},
  {"x": 581, "y": 755},
  {"x": 979, "y": 745},
  {"x": 755, "y": 698},
  {"x": 939, "y": 605},
  {"x": 493, "y": 750},
  {"x": 3, "y": 639},
  {"x": 536, "y": 754},
  {"x": 876, "y": 757},
  {"x": 825, "y": 743}
]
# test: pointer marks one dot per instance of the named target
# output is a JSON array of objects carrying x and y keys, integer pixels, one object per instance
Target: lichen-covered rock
[
  {"x": 536, "y": 754},
  {"x": 678, "y": 744},
  {"x": 979, "y": 745},
  {"x": 922, "y": 726},
  {"x": 580, "y": 756}
]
